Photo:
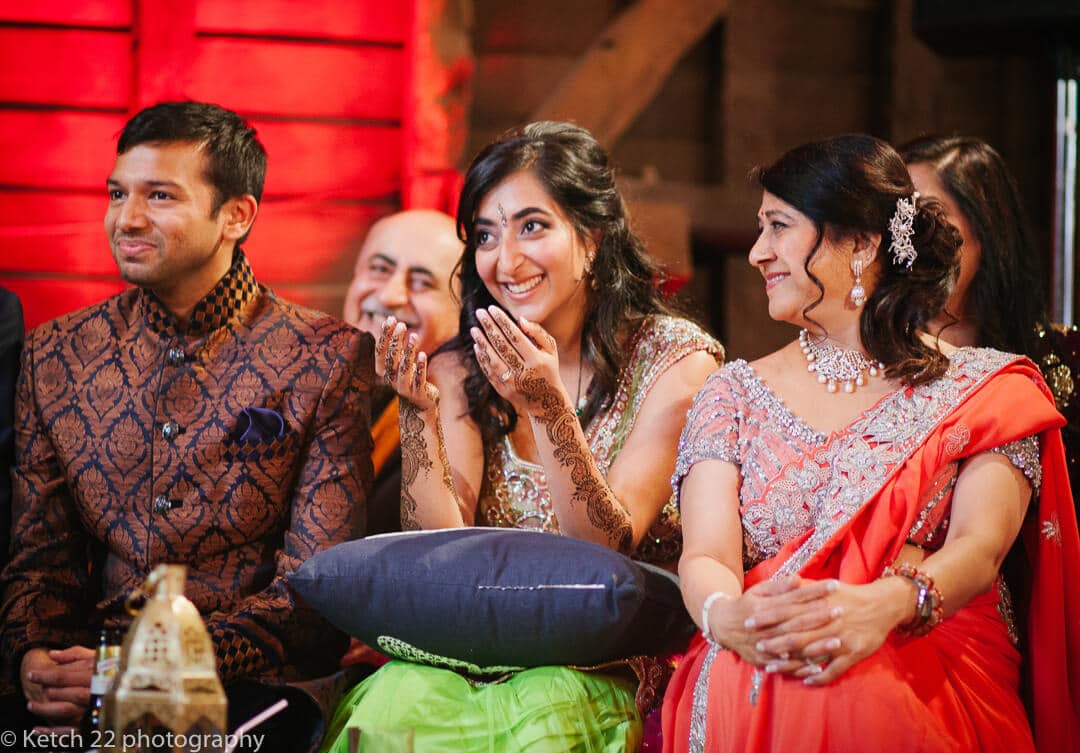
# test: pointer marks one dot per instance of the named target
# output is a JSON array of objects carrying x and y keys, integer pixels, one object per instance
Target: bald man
[{"x": 405, "y": 269}]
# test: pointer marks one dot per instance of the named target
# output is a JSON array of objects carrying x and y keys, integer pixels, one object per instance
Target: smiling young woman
[
  {"x": 558, "y": 405},
  {"x": 560, "y": 312}
]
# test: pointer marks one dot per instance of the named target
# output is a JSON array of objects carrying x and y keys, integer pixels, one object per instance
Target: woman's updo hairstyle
[
  {"x": 576, "y": 172},
  {"x": 849, "y": 186}
]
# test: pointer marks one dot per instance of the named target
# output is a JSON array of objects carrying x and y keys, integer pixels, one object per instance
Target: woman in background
[
  {"x": 1000, "y": 296},
  {"x": 849, "y": 499}
]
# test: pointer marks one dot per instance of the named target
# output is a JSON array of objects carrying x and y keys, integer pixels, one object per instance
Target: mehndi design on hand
[
  {"x": 561, "y": 426},
  {"x": 407, "y": 358},
  {"x": 414, "y": 459}
]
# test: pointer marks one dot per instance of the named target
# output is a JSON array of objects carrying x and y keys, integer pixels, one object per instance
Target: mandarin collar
[{"x": 221, "y": 305}]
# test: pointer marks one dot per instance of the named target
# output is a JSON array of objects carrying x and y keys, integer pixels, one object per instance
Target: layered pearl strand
[{"x": 834, "y": 365}]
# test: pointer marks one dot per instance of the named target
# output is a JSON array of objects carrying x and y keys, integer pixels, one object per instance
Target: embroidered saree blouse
[
  {"x": 515, "y": 492},
  {"x": 795, "y": 479}
]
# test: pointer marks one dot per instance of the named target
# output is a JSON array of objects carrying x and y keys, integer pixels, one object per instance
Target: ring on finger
[{"x": 505, "y": 376}]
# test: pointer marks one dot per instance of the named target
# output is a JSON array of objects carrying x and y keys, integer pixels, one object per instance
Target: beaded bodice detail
[
  {"x": 795, "y": 479},
  {"x": 515, "y": 492}
]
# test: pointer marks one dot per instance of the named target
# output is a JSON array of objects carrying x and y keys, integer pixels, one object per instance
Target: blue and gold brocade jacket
[{"x": 135, "y": 448}]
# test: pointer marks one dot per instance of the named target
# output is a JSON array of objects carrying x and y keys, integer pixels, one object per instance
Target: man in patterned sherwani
[{"x": 196, "y": 418}]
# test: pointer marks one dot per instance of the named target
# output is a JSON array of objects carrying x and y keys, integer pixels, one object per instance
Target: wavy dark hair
[
  {"x": 1008, "y": 292},
  {"x": 576, "y": 172},
  {"x": 849, "y": 186}
]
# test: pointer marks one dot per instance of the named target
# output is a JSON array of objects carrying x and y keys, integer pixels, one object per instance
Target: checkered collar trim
[{"x": 223, "y": 303}]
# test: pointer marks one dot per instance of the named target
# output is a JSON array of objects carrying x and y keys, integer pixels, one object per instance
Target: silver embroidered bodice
[
  {"x": 515, "y": 492},
  {"x": 795, "y": 479}
]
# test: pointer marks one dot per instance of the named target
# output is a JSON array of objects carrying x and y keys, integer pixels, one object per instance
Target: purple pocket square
[{"x": 259, "y": 425}]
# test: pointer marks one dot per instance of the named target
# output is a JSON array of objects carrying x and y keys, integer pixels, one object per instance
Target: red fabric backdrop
[{"x": 330, "y": 86}]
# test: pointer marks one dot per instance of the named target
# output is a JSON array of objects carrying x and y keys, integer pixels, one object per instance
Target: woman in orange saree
[{"x": 844, "y": 548}]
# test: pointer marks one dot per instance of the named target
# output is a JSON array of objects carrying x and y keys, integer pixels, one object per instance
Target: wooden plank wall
[
  {"x": 323, "y": 82},
  {"x": 522, "y": 52},
  {"x": 772, "y": 74},
  {"x": 798, "y": 70}
]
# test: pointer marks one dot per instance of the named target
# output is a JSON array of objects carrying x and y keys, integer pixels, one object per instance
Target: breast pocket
[{"x": 272, "y": 461}]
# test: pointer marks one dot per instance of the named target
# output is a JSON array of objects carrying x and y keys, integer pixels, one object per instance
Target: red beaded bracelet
[{"x": 928, "y": 601}]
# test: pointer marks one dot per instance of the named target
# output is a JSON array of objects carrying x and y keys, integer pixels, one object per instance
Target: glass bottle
[{"x": 106, "y": 665}]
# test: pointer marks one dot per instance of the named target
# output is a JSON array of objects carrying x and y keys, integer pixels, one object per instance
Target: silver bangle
[{"x": 705, "y": 607}]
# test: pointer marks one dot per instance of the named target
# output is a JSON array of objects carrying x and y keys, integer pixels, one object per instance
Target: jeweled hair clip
[{"x": 902, "y": 228}]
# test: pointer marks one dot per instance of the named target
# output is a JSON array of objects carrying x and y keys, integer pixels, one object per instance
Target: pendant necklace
[{"x": 835, "y": 366}]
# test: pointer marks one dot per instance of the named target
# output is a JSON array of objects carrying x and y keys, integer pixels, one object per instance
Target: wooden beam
[{"x": 625, "y": 67}]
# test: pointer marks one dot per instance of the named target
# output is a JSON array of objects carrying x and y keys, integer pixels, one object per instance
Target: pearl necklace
[{"x": 833, "y": 364}]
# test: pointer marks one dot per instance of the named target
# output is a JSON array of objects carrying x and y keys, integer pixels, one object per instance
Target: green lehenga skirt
[{"x": 541, "y": 710}]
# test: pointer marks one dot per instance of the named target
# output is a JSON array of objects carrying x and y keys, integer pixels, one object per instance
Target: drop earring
[
  {"x": 589, "y": 270},
  {"x": 858, "y": 292}
]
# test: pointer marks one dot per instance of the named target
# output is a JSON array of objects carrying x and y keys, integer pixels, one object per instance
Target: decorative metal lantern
[{"x": 167, "y": 696}]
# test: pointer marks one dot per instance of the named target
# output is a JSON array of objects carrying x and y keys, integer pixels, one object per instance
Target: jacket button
[
  {"x": 175, "y": 357},
  {"x": 162, "y": 504},
  {"x": 170, "y": 430}
]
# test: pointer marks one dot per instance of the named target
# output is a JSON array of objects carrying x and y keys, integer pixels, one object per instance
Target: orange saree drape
[{"x": 957, "y": 688}]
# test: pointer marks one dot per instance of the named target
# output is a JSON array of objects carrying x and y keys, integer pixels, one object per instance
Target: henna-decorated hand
[
  {"x": 522, "y": 363},
  {"x": 520, "y": 360},
  {"x": 403, "y": 365}
]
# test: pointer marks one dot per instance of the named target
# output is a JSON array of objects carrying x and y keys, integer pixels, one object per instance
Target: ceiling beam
[{"x": 621, "y": 72}]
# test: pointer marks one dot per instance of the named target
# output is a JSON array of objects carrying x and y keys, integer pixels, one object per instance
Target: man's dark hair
[{"x": 235, "y": 160}]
